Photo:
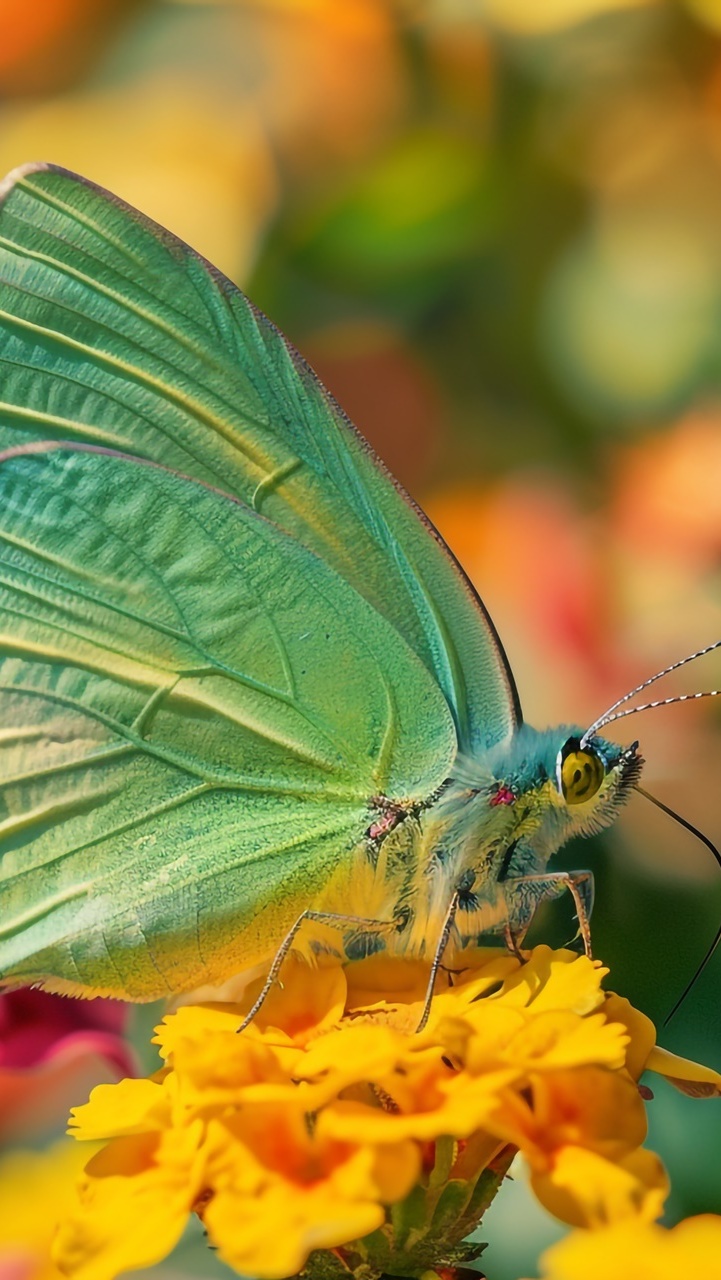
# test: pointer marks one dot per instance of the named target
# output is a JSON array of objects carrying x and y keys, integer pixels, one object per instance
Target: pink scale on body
[{"x": 504, "y": 795}]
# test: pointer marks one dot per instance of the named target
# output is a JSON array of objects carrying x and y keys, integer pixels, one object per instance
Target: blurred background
[{"x": 494, "y": 228}]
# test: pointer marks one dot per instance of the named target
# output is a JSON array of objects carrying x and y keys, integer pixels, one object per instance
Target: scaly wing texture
[
  {"x": 194, "y": 713},
  {"x": 113, "y": 332}
]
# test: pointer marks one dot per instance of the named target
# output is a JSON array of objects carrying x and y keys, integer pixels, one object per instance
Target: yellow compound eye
[{"x": 579, "y": 773}]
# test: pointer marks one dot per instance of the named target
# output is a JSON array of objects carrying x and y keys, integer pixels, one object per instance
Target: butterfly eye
[{"x": 579, "y": 773}]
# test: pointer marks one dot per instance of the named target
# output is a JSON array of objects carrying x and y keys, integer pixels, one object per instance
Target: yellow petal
[
  {"x": 556, "y": 980},
  {"x": 476, "y": 981},
  {"x": 492, "y": 1033},
  {"x": 130, "y": 1106},
  {"x": 480, "y": 1035},
  {"x": 689, "y": 1077},
  {"x": 586, "y": 1190},
  {"x": 134, "y": 1201},
  {"x": 365, "y": 1052},
  {"x": 309, "y": 1002},
  {"x": 585, "y": 1107},
  {"x": 635, "y": 1250},
  {"x": 396, "y": 1168},
  {"x": 641, "y": 1032},
  {"x": 484, "y": 967},
  {"x": 194, "y": 1022},
  {"x": 215, "y": 1066},
  {"x": 218, "y": 1069},
  {"x": 251, "y": 1151},
  {"x": 383, "y": 979},
  {"x": 556, "y": 1040},
  {"x": 271, "y": 1235},
  {"x": 280, "y": 1191},
  {"x": 465, "y": 1104}
]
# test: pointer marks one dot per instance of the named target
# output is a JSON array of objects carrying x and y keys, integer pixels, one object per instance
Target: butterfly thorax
[{"x": 499, "y": 818}]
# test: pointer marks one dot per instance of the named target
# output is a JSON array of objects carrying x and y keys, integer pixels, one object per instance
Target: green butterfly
[{"x": 243, "y": 681}]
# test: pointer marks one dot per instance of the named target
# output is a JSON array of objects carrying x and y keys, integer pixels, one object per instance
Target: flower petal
[
  {"x": 146, "y": 1183},
  {"x": 641, "y": 1032},
  {"x": 556, "y": 980},
  {"x": 272, "y": 1236},
  {"x": 130, "y": 1106},
  {"x": 689, "y": 1077},
  {"x": 333, "y": 1119},
  {"x": 635, "y": 1250},
  {"x": 309, "y": 1002},
  {"x": 587, "y": 1190},
  {"x": 465, "y": 1104}
]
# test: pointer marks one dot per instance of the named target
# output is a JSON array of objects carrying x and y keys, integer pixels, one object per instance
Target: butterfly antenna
[
  {"x": 608, "y": 715},
  {"x": 717, "y": 939},
  {"x": 647, "y": 706}
]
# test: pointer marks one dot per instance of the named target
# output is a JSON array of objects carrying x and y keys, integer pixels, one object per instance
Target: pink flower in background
[
  {"x": 16, "y": 1267},
  {"x": 51, "y": 1049}
]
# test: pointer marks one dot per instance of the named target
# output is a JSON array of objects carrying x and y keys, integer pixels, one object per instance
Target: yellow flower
[
  {"x": 328, "y": 1136},
  {"x": 36, "y": 1189},
  {"x": 135, "y": 1197},
  {"x": 319, "y": 1191},
  {"x": 634, "y": 1250}
]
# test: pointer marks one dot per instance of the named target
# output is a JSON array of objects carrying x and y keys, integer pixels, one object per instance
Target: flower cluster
[{"x": 376, "y": 1148}]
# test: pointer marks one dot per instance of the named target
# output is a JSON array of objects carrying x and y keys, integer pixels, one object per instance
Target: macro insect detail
[{"x": 244, "y": 685}]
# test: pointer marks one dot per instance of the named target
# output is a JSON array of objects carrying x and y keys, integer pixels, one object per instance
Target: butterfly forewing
[{"x": 113, "y": 332}]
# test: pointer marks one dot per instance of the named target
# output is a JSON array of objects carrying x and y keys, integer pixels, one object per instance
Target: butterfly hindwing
[{"x": 196, "y": 711}]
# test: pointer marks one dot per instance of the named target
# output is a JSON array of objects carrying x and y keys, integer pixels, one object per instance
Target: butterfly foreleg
[
  {"x": 335, "y": 919},
  {"x": 525, "y": 893}
]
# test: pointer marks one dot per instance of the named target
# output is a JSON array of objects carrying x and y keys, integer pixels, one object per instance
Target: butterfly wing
[
  {"x": 113, "y": 332},
  {"x": 217, "y": 647},
  {"x": 195, "y": 712}
]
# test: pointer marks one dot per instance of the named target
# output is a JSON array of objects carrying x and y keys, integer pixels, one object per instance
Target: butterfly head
[
  {"x": 544, "y": 786},
  {"x": 593, "y": 777}
]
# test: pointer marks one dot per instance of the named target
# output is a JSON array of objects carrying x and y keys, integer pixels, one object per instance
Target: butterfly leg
[
  {"x": 437, "y": 957},
  {"x": 465, "y": 884},
  {"x": 321, "y": 917},
  {"x": 525, "y": 893}
]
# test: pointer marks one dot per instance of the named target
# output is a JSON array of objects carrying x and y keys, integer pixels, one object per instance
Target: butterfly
[{"x": 244, "y": 685}]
